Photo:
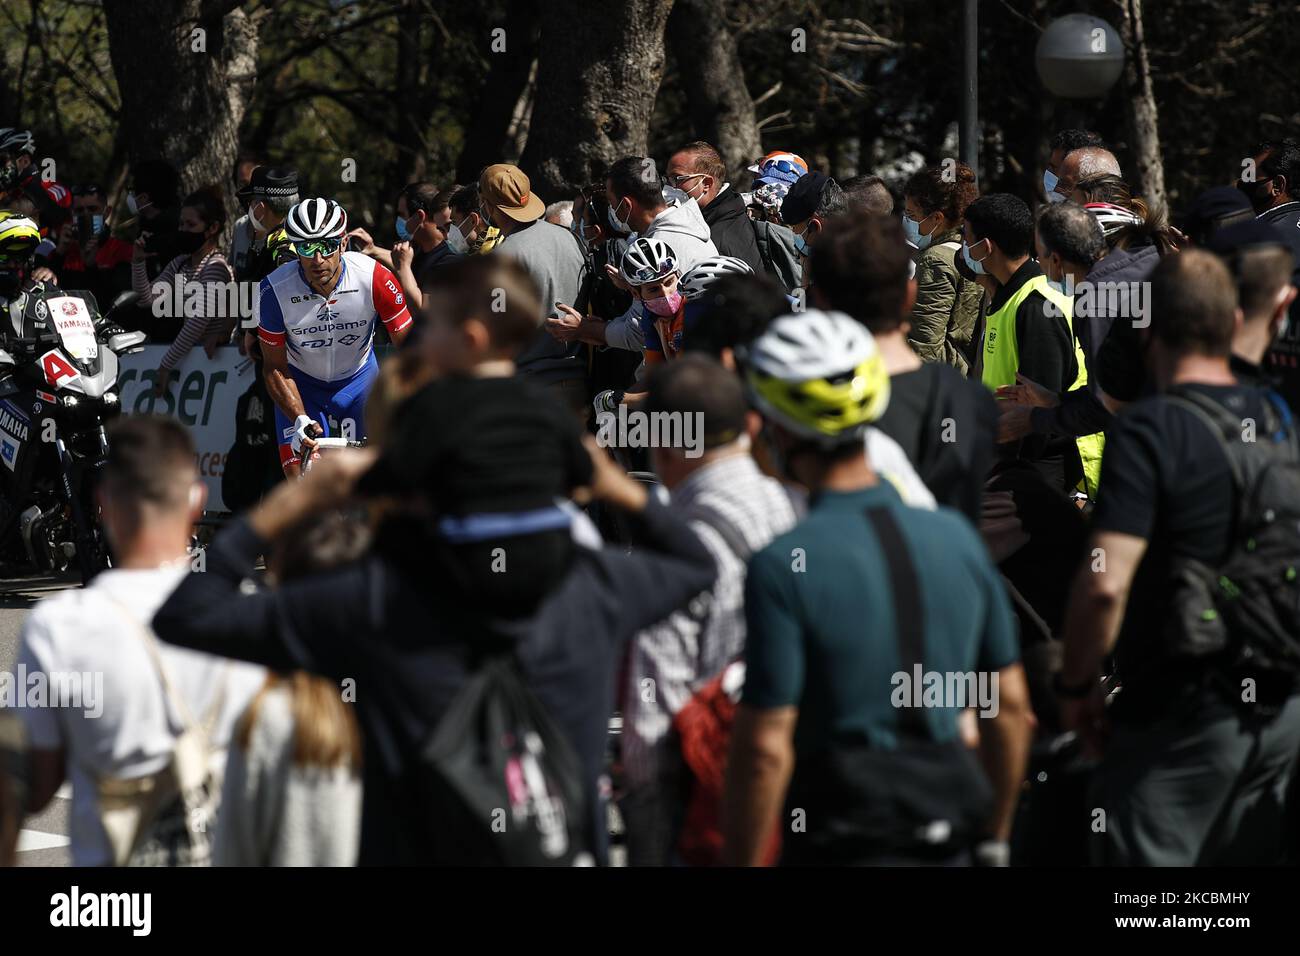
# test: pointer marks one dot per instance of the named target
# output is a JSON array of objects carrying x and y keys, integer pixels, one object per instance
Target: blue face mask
[
  {"x": 801, "y": 246},
  {"x": 913, "y": 230},
  {"x": 1058, "y": 285},
  {"x": 402, "y": 232},
  {"x": 975, "y": 267},
  {"x": 1050, "y": 180}
]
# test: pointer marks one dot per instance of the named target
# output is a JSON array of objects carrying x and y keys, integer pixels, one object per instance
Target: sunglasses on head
[{"x": 312, "y": 247}]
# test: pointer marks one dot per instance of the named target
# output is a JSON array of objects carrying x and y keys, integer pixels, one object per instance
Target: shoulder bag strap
[
  {"x": 177, "y": 701},
  {"x": 909, "y": 616}
]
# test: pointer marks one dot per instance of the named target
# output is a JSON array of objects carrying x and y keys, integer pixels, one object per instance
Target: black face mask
[
  {"x": 1257, "y": 193},
  {"x": 189, "y": 242},
  {"x": 11, "y": 280}
]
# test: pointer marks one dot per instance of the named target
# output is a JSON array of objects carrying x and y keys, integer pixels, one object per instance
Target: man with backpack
[
  {"x": 117, "y": 732},
  {"x": 1190, "y": 581},
  {"x": 846, "y": 616},
  {"x": 734, "y": 509}
]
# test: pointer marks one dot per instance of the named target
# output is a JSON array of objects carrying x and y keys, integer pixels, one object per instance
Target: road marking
[{"x": 36, "y": 840}]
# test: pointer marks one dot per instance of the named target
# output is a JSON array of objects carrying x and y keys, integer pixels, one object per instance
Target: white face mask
[
  {"x": 252, "y": 218},
  {"x": 619, "y": 225},
  {"x": 456, "y": 240}
]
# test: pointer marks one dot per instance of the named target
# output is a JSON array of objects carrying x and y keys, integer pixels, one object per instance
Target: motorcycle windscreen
[{"x": 72, "y": 319}]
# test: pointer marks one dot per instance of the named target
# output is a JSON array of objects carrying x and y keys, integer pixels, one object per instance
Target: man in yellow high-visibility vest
[{"x": 1028, "y": 330}]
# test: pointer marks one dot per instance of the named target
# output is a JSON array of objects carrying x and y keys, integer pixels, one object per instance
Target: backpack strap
[
  {"x": 726, "y": 529},
  {"x": 909, "y": 616}
]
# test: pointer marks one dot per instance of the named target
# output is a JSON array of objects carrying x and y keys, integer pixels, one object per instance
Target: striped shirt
[
  {"x": 213, "y": 273},
  {"x": 671, "y": 660}
]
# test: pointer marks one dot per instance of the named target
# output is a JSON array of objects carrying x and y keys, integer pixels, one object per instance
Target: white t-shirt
[{"x": 122, "y": 726}]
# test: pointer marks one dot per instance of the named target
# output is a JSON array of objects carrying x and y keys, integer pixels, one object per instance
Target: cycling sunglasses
[
  {"x": 650, "y": 273},
  {"x": 311, "y": 247}
]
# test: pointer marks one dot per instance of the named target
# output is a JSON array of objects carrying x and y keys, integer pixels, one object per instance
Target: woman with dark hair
[
  {"x": 947, "y": 306},
  {"x": 1108, "y": 197},
  {"x": 194, "y": 285}
]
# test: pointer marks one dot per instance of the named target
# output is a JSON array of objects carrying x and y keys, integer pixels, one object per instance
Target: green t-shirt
[{"x": 821, "y": 625}]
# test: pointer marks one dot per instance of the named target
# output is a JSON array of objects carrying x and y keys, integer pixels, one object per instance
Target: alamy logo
[
  {"x": 134, "y": 910},
  {"x": 946, "y": 689},
  {"x": 638, "y": 429},
  {"x": 1116, "y": 300},
  {"x": 73, "y": 690}
]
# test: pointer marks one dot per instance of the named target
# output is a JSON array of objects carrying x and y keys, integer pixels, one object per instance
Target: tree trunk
[
  {"x": 713, "y": 79},
  {"x": 487, "y": 140},
  {"x": 598, "y": 74},
  {"x": 1141, "y": 115},
  {"x": 184, "y": 69}
]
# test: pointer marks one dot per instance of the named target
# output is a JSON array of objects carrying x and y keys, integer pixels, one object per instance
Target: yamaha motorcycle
[{"x": 58, "y": 388}]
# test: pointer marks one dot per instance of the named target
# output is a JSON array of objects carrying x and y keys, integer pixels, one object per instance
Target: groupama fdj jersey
[{"x": 329, "y": 341}]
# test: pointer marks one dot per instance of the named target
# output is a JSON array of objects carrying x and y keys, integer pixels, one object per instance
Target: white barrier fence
[{"x": 202, "y": 395}]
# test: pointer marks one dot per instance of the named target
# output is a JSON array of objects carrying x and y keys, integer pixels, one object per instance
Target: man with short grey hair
[{"x": 1082, "y": 163}]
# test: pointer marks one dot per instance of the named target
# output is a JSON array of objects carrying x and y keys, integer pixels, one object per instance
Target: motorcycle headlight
[
  {"x": 110, "y": 398},
  {"x": 70, "y": 401}
]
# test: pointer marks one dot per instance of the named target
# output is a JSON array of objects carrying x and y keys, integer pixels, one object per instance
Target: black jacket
[
  {"x": 1117, "y": 362},
  {"x": 732, "y": 229},
  {"x": 379, "y": 623},
  {"x": 1081, "y": 412}
]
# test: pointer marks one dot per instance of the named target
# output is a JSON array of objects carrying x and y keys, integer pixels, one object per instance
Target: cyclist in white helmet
[
  {"x": 651, "y": 271},
  {"x": 316, "y": 325},
  {"x": 700, "y": 276}
]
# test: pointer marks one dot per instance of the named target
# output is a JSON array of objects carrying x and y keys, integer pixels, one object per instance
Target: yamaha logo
[
  {"x": 41, "y": 310},
  {"x": 69, "y": 308}
]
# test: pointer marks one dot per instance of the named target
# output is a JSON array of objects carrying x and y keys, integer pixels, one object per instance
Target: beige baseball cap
[{"x": 508, "y": 189}]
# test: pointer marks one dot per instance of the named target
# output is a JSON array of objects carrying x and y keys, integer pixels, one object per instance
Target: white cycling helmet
[
  {"x": 315, "y": 219},
  {"x": 17, "y": 141},
  {"x": 1111, "y": 217},
  {"x": 819, "y": 374},
  {"x": 701, "y": 275},
  {"x": 647, "y": 260}
]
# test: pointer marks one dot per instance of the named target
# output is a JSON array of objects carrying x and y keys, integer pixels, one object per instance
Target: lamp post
[
  {"x": 1079, "y": 57},
  {"x": 968, "y": 128}
]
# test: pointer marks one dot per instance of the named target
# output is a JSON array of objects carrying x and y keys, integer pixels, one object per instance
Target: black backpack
[
  {"x": 497, "y": 780},
  {"x": 252, "y": 467},
  {"x": 1248, "y": 607}
]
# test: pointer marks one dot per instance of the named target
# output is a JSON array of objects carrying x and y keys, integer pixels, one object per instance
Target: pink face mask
[{"x": 665, "y": 305}]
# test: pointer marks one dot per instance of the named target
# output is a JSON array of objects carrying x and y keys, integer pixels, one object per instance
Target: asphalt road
[{"x": 44, "y": 840}]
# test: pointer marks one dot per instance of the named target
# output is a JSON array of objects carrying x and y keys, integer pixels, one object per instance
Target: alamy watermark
[
  {"x": 946, "y": 689},
  {"x": 74, "y": 690},
  {"x": 1116, "y": 300},
  {"x": 632, "y": 428}
]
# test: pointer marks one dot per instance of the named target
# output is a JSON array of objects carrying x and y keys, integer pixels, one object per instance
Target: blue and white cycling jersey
[{"x": 330, "y": 340}]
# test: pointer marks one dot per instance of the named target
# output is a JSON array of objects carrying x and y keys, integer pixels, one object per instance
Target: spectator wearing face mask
[
  {"x": 1063, "y": 143},
  {"x": 947, "y": 306},
  {"x": 468, "y": 232},
  {"x": 598, "y": 295},
  {"x": 807, "y": 207},
  {"x": 151, "y": 202},
  {"x": 207, "y": 317},
  {"x": 698, "y": 171},
  {"x": 1085, "y": 163},
  {"x": 423, "y": 218},
  {"x": 270, "y": 193}
]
